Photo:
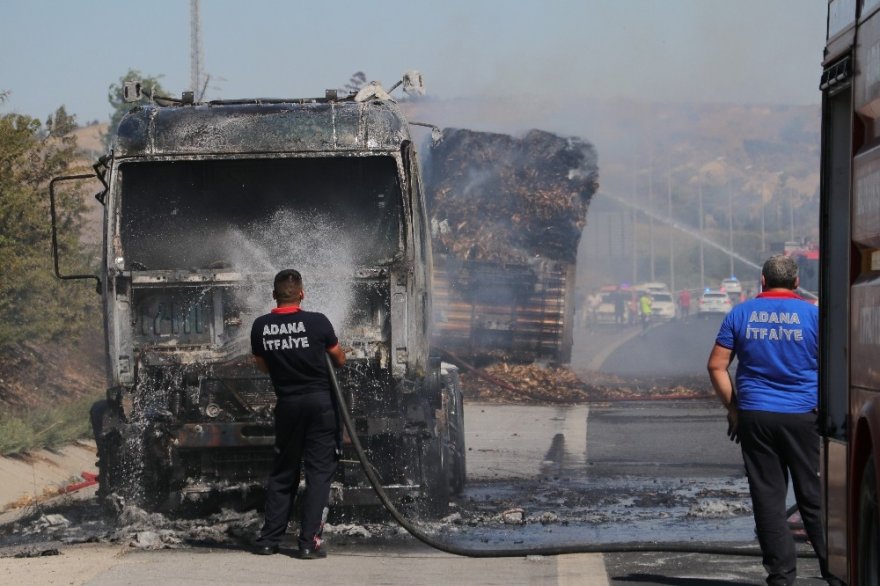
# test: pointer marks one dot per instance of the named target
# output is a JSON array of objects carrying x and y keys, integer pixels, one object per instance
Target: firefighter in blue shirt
[
  {"x": 290, "y": 345},
  {"x": 773, "y": 410}
]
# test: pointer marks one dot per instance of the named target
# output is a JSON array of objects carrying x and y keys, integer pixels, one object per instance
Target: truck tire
[
  {"x": 868, "y": 550},
  {"x": 118, "y": 474},
  {"x": 435, "y": 479},
  {"x": 106, "y": 424},
  {"x": 453, "y": 432},
  {"x": 124, "y": 469},
  {"x": 109, "y": 465},
  {"x": 458, "y": 451}
]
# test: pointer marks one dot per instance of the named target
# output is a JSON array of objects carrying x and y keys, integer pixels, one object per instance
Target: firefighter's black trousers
[
  {"x": 305, "y": 435},
  {"x": 774, "y": 446}
]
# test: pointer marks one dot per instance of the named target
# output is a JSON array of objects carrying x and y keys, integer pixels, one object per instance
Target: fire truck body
[{"x": 849, "y": 289}]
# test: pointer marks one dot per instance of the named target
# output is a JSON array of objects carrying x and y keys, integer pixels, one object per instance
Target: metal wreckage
[{"x": 203, "y": 202}]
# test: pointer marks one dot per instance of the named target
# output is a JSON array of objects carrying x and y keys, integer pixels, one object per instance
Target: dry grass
[{"x": 45, "y": 427}]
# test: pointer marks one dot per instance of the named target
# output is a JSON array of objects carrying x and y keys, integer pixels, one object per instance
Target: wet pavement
[{"x": 539, "y": 476}]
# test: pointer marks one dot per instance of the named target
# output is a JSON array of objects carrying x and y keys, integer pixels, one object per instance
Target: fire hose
[{"x": 628, "y": 547}]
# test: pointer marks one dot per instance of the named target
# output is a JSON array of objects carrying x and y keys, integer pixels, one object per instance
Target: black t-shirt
[{"x": 293, "y": 343}]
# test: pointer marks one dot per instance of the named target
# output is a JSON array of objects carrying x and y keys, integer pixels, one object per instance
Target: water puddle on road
[{"x": 488, "y": 515}]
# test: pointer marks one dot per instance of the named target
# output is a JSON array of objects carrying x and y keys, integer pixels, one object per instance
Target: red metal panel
[
  {"x": 201, "y": 435},
  {"x": 866, "y": 198},
  {"x": 864, "y": 443},
  {"x": 865, "y": 333},
  {"x": 866, "y": 97},
  {"x": 835, "y": 503}
]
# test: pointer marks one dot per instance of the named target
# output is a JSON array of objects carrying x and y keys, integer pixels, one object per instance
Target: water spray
[{"x": 684, "y": 229}]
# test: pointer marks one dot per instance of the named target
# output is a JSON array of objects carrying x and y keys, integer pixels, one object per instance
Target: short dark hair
[
  {"x": 780, "y": 271},
  {"x": 288, "y": 285}
]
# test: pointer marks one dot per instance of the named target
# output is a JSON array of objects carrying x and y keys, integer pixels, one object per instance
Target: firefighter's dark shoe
[
  {"x": 265, "y": 549},
  {"x": 307, "y": 553}
]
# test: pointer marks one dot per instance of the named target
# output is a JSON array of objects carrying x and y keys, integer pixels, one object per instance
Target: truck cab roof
[{"x": 248, "y": 126}]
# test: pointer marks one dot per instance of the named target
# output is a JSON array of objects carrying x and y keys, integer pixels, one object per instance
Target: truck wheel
[
  {"x": 124, "y": 466},
  {"x": 868, "y": 551},
  {"x": 458, "y": 459},
  {"x": 105, "y": 427},
  {"x": 109, "y": 466},
  {"x": 435, "y": 476}
]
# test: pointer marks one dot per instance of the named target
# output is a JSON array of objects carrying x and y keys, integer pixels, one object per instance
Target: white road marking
[{"x": 581, "y": 568}]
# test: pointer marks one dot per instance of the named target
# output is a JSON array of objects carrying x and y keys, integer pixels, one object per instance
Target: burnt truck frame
[{"x": 187, "y": 418}]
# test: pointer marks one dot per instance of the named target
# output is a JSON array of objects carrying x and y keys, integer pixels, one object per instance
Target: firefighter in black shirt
[{"x": 289, "y": 344}]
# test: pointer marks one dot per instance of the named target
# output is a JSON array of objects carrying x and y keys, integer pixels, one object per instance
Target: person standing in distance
[
  {"x": 773, "y": 411},
  {"x": 684, "y": 303},
  {"x": 646, "y": 305},
  {"x": 289, "y": 344}
]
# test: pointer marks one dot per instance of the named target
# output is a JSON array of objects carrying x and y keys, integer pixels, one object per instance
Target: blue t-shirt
[{"x": 775, "y": 339}]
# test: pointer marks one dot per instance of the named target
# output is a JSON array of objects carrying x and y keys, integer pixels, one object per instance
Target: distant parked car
[
  {"x": 662, "y": 306},
  {"x": 654, "y": 287},
  {"x": 731, "y": 285},
  {"x": 714, "y": 301},
  {"x": 605, "y": 312}
]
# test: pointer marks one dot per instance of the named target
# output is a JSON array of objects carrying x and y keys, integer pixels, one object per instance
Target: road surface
[{"x": 593, "y": 473}]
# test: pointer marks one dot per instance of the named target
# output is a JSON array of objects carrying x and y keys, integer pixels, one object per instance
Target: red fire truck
[
  {"x": 849, "y": 288},
  {"x": 806, "y": 254}
]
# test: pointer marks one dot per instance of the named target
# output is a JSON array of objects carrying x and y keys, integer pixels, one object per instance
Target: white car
[
  {"x": 731, "y": 285},
  {"x": 605, "y": 313},
  {"x": 654, "y": 287},
  {"x": 714, "y": 301},
  {"x": 662, "y": 306}
]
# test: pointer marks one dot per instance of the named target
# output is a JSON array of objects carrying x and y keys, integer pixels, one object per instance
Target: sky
[{"x": 68, "y": 52}]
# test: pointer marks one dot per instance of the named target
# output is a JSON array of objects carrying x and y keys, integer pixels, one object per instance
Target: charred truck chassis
[{"x": 187, "y": 418}]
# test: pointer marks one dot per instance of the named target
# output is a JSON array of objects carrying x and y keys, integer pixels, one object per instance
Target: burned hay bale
[
  {"x": 493, "y": 197},
  {"x": 504, "y": 382}
]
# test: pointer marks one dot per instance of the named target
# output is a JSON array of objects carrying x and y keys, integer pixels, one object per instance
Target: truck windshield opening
[{"x": 213, "y": 213}]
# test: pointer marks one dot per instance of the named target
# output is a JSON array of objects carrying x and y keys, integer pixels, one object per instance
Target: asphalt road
[
  {"x": 610, "y": 473},
  {"x": 667, "y": 442},
  {"x": 601, "y": 473},
  {"x": 675, "y": 348}
]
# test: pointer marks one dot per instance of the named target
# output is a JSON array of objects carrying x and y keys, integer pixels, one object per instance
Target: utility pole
[
  {"x": 195, "y": 51},
  {"x": 791, "y": 214}
]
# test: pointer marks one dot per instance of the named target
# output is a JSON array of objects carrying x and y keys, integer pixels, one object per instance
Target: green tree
[
  {"x": 150, "y": 87},
  {"x": 33, "y": 307}
]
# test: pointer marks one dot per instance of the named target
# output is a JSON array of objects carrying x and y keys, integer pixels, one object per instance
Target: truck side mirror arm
[{"x": 54, "y": 215}]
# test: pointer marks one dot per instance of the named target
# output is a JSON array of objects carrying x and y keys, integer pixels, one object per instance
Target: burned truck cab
[{"x": 204, "y": 204}]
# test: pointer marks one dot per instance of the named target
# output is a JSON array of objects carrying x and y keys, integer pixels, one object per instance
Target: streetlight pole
[
  {"x": 671, "y": 232},
  {"x": 651, "y": 208},
  {"x": 635, "y": 239},
  {"x": 702, "y": 259},
  {"x": 730, "y": 227},
  {"x": 763, "y": 214}
]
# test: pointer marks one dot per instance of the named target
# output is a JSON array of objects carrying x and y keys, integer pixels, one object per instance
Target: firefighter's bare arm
[
  {"x": 261, "y": 365},
  {"x": 337, "y": 355},
  {"x": 719, "y": 374}
]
